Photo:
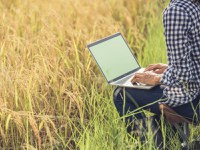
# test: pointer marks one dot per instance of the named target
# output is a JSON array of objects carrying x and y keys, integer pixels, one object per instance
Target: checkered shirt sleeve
[{"x": 179, "y": 78}]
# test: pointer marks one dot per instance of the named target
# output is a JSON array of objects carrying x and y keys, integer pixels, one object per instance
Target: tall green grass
[{"x": 52, "y": 95}]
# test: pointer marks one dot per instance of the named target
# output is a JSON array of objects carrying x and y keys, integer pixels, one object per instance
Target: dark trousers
[{"x": 135, "y": 100}]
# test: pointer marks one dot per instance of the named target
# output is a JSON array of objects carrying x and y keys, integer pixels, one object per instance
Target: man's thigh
[
  {"x": 145, "y": 99},
  {"x": 189, "y": 110}
]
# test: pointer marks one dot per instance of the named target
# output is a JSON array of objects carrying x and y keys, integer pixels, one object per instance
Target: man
[{"x": 181, "y": 77}]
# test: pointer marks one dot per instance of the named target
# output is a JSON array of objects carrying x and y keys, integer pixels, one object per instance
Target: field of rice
[{"x": 52, "y": 94}]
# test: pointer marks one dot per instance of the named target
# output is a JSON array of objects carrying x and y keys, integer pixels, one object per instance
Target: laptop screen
[{"x": 114, "y": 57}]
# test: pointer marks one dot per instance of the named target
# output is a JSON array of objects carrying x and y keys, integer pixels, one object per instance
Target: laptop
[{"x": 116, "y": 61}]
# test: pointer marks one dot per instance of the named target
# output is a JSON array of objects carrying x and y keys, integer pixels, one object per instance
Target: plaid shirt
[{"x": 182, "y": 34}]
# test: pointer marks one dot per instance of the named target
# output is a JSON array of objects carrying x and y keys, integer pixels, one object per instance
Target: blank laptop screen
[{"x": 113, "y": 57}]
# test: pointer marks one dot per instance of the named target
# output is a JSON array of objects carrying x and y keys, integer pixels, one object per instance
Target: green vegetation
[{"x": 52, "y": 95}]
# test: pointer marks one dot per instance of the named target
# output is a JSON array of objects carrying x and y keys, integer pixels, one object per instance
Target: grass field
[{"x": 52, "y": 95}]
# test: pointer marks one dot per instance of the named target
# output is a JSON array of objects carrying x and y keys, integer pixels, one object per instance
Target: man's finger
[
  {"x": 149, "y": 68},
  {"x": 152, "y": 68},
  {"x": 135, "y": 77},
  {"x": 138, "y": 75},
  {"x": 134, "y": 80},
  {"x": 150, "y": 65},
  {"x": 158, "y": 71}
]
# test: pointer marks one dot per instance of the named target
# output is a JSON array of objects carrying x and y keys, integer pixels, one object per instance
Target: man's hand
[
  {"x": 148, "y": 78},
  {"x": 156, "y": 68}
]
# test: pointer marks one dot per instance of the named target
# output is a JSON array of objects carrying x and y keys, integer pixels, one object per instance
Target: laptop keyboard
[
  {"x": 124, "y": 81},
  {"x": 127, "y": 82}
]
